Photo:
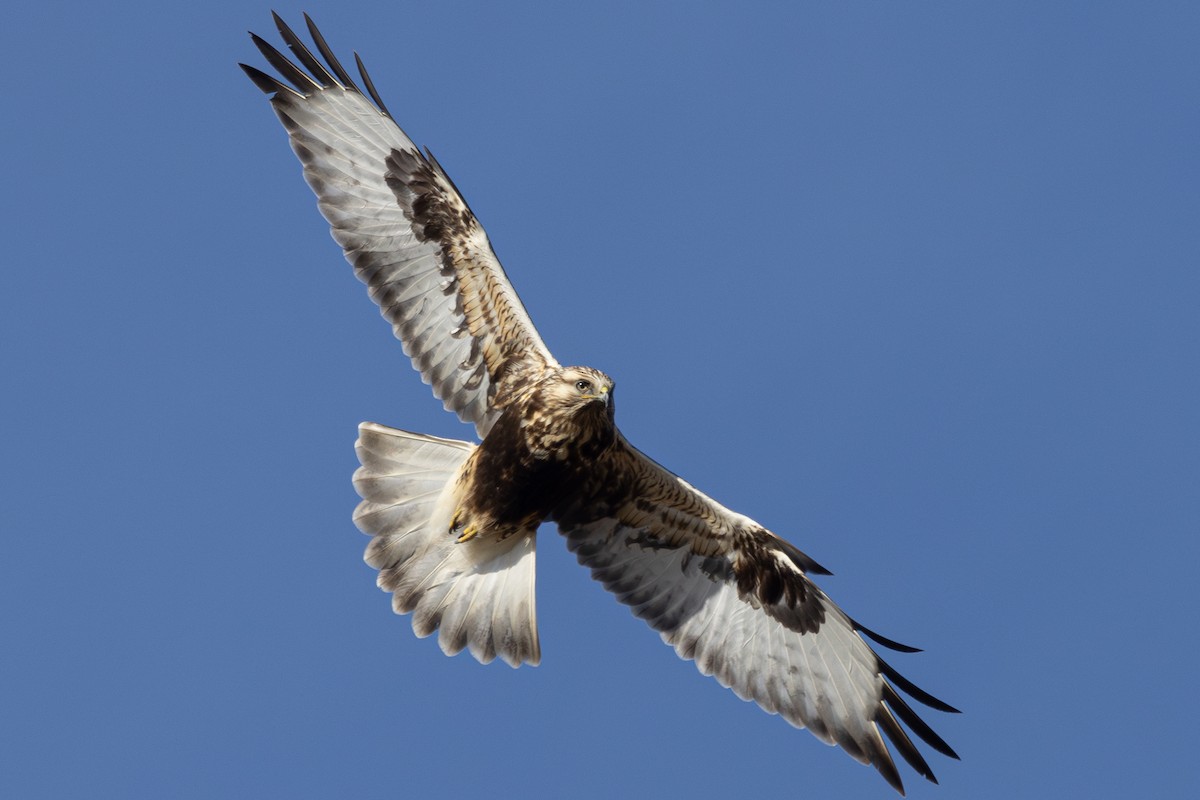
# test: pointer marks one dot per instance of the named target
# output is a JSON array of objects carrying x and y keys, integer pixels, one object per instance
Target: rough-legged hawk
[{"x": 453, "y": 524}]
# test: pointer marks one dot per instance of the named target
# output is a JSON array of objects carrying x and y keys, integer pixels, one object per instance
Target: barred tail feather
[{"x": 478, "y": 593}]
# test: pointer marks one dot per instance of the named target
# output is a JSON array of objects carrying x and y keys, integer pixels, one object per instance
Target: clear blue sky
[{"x": 915, "y": 285}]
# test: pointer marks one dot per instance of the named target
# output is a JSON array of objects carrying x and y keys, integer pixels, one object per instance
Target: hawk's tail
[{"x": 478, "y": 592}]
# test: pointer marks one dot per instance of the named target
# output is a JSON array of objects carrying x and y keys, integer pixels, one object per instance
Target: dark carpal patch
[
  {"x": 419, "y": 190},
  {"x": 783, "y": 593}
]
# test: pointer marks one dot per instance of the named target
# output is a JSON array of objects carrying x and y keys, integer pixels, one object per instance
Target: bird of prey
[{"x": 453, "y": 523}]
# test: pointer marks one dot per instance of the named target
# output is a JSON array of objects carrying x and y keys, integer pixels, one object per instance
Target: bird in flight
[{"x": 453, "y": 524}]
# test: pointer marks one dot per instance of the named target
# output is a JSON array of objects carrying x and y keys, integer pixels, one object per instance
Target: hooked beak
[{"x": 603, "y": 394}]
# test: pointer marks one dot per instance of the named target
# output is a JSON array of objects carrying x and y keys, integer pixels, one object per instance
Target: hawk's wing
[
  {"x": 737, "y": 599},
  {"x": 408, "y": 233}
]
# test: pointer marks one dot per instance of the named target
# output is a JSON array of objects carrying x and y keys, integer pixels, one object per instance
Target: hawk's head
[
  {"x": 569, "y": 414},
  {"x": 581, "y": 390}
]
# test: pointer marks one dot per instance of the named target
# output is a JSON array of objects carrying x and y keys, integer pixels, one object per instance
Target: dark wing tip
[
  {"x": 317, "y": 76},
  {"x": 298, "y": 77},
  {"x": 890, "y": 774},
  {"x": 917, "y": 725},
  {"x": 366, "y": 76},
  {"x": 912, "y": 690},
  {"x": 267, "y": 83},
  {"x": 327, "y": 53},
  {"x": 893, "y": 710},
  {"x": 904, "y": 746},
  {"x": 890, "y": 644},
  {"x": 301, "y": 52}
]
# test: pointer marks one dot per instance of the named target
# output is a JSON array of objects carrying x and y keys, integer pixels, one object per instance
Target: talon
[{"x": 468, "y": 533}]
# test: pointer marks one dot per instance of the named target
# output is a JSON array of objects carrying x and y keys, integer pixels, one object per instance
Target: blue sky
[{"x": 914, "y": 285}]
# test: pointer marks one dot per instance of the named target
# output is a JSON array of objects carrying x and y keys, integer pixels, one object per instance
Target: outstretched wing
[
  {"x": 407, "y": 231},
  {"x": 737, "y": 599}
]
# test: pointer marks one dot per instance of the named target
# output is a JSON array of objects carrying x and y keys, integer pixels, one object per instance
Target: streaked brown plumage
[
  {"x": 537, "y": 455},
  {"x": 453, "y": 524}
]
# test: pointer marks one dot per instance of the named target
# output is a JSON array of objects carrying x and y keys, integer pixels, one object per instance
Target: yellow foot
[{"x": 468, "y": 533}]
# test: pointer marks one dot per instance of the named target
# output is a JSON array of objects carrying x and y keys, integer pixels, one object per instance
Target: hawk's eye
[{"x": 584, "y": 386}]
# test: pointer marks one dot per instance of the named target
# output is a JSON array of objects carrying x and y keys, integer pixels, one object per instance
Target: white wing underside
[
  {"x": 736, "y": 599},
  {"x": 445, "y": 293},
  {"x": 826, "y": 681}
]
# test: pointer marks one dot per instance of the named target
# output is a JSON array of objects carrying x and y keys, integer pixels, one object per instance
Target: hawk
[{"x": 453, "y": 524}]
